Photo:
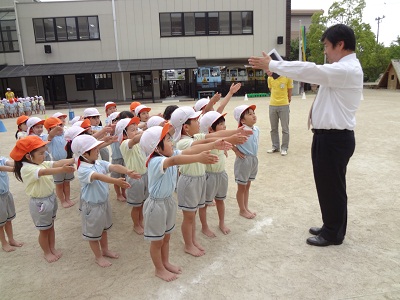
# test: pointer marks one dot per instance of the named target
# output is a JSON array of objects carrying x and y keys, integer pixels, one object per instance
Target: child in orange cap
[
  {"x": 58, "y": 151},
  {"x": 133, "y": 106},
  {"x": 22, "y": 127},
  {"x": 31, "y": 169}
]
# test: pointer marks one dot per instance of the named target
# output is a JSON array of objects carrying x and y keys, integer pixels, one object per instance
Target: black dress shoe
[
  {"x": 319, "y": 241},
  {"x": 315, "y": 230}
]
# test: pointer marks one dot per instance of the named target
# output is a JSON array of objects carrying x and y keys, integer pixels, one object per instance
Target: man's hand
[{"x": 260, "y": 62}]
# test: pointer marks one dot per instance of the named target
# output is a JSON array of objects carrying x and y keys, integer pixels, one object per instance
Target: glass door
[{"x": 142, "y": 87}]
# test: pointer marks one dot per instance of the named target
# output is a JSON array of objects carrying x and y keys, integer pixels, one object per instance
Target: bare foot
[
  {"x": 198, "y": 246},
  {"x": 253, "y": 213},
  {"x": 102, "y": 262},
  {"x": 7, "y": 247},
  {"x": 50, "y": 257},
  {"x": 166, "y": 275},
  {"x": 193, "y": 250},
  {"x": 121, "y": 198},
  {"x": 15, "y": 243},
  {"x": 56, "y": 253},
  {"x": 71, "y": 203},
  {"x": 110, "y": 254},
  {"x": 208, "y": 232},
  {"x": 65, "y": 204},
  {"x": 172, "y": 268},
  {"x": 138, "y": 229},
  {"x": 247, "y": 215},
  {"x": 224, "y": 229}
]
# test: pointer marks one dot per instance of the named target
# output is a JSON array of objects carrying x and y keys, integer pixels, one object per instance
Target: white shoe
[
  {"x": 272, "y": 150},
  {"x": 284, "y": 152}
]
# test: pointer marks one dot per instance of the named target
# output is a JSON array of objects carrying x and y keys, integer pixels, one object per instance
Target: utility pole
[{"x": 379, "y": 20}]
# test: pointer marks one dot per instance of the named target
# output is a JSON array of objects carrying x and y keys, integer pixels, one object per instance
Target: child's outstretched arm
[
  {"x": 107, "y": 179},
  {"x": 233, "y": 89},
  {"x": 197, "y": 148},
  {"x": 226, "y": 133},
  {"x": 56, "y": 170},
  {"x": 214, "y": 99},
  {"x": 6, "y": 169},
  {"x": 136, "y": 139},
  {"x": 123, "y": 170},
  {"x": 62, "y": 162},
  {"x": 203, "y": 157},
  {"x": 54, "y": 131}
]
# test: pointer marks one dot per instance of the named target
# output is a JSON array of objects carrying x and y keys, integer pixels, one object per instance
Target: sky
[{"x": 389, "y": 27}]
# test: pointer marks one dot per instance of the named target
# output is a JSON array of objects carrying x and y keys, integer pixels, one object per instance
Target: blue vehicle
[{"x": 208, "y": 77}]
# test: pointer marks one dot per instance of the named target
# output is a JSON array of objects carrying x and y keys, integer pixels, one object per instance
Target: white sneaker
[
  {"x": 284, "y": 152},
  {"x": 272, "y": 150}
]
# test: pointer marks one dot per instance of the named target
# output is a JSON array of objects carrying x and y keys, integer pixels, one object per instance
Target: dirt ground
[{"x": 263, "y": 258}]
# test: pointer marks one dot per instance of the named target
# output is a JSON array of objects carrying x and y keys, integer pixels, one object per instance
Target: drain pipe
[
  {"x": 117, "y": 49},
  {"x": 21, "y": 50}
]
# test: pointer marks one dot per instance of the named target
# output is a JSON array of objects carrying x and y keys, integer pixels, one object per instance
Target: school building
[{"x": 95, "y": 51}]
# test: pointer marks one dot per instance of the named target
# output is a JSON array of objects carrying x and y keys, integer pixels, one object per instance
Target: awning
[{"x": 111, "y": 66}]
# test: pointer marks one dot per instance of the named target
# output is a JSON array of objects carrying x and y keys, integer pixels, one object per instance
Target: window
[
  {"x": 206, "y": 23},
  {"x": 8, "y": 33},
  {"x": 84, "y": 82},
  {"x": 66, "y": 29}
]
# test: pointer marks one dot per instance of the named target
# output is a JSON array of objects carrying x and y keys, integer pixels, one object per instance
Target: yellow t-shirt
[
  {"x": 220, "y": 165},
  {"x": 10, "y": 95},
  {"x": 193, "y": 169},
  {"x": 134, "y": 158},
  {"x": 37, "y": 186},
  {"x": 279, "y": 90}
]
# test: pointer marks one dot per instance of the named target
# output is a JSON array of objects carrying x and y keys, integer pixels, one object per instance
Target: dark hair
[
  {"x": 124, "y": 114},
  {"x": 217, "y": 122},
  {"x": 168, "y": 111},
  {"x": 18, "y": 165},
  {"x": 340, "y": 32}
]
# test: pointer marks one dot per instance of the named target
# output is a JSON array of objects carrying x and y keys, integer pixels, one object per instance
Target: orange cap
[
  {"x": 25, "y": 146},
  {"x": 51, "y": 122},
  {"x": 134, "y": 105},
  {"x": 22, "y": 119},
  {"x": 86, "y": 123}
]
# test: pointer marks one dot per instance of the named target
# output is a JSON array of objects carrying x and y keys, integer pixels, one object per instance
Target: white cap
[
  {"x": 238, "y": 111},
  {"x": 179, "y": 117},
  {"x": 109, "y": 103},
  {"x": 112, "y": 117},
  {"x": 200, "y": 104},
  {"x": 122, "y": 124},
  {"x": 140, "y": 108},
  {"x": 32, "y": 121},
  {"x": 73, "y": 132},
  {"x": 74, "y": 120},
  {"x": 155, "y": 121},
  {"x": 151, "y": 138},
  {"x": 77, "y": 123},
  {"x": 90, "y": 112},
  {"x": 8, "y": 89},
  {"x": 83, "y": 143},
  {"x": 59, "y": 114},
  {"x": 208, "y": 119}
]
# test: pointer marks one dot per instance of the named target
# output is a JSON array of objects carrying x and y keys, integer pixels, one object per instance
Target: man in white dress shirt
[{"x": 333, "y": 120}]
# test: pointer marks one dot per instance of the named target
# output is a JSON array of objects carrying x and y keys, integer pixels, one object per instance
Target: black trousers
[{"x": 330, "y": 152}]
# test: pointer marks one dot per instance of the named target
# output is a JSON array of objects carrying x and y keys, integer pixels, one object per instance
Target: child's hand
[
  {"x": 110, "y": 139},
  {"x": 109, "y": 128},
  {"x": 133, "y": 174},
  {"x": 234, "y": 88},
  {"x": 243, "y": 131},
  {"x": 215, "y": 98},
  {"x": 238, "y": 153},
  {"x": 206, "y": 158},
  {"x": 68, "y": 168},
  {"x": 58, "y": 130},
  {"x": 222, "y": 145},
  {"x": 238, "y": 139},
  {"x": 122, "y": 183}
]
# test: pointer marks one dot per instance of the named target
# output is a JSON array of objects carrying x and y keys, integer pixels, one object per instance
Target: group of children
[
  {"x": 146, "y": 153},
  {"x": 16, "y": 107}
]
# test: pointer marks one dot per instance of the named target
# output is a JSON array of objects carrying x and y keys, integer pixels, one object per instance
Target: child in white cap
[
  {"x": 142, "y": 111},
  {"x": 246, "y": 162},
  {"x": 95, "y": 208},
  {"x": 42, "y": 106},
  {"x": 160, "y": 208},
  {"x": 109, "y": 107},
  {"x": 129, "y": 137}
]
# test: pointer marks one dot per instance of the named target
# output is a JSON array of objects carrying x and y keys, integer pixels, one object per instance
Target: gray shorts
[
  {"x": 118, "y": 161},
  {"x": 7, "y": 208},
  {"x": 159, "y": 218},
  {"x": 43, "y": 211},
  {"x": 245, "y": 169},
  {"x": 138, "y": 192},
  {"x": 105, "y": 154},
  {"x": 96, "y": 218},
  {"x": 216, "y": 186},
  {"x": 191, "y": 192},
  {"x": 60, "y": 178}
]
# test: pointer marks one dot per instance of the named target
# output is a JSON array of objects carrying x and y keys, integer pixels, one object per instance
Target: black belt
[{"x": 330, "y": 131}]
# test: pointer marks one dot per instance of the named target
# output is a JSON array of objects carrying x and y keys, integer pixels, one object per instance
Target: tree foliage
[{"x": 374, "y": 57}]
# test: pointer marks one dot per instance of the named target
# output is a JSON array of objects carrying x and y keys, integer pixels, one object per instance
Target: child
[
  {"x": 42, "y": 107},
  {"x": 142, "y": 112},
  {"x": 168, "y": 111},
  {"x": 22, "y": 127},
  {"x": 133, "y": 106},
  {"x": 35, "y": 127},
  {"x": 63, "y": 119},
  {"x": 129, "y": 137},
  {"x": 28, "y": 106},
  {"x": 95, "y": 208},
  {"x": 205, "y": 105},
  {"x": 31, "y": 169},
  {"x": 160, "y": 208},
  {"x": 58, "y": 151},
  {"x": 110, "y": 107},
  {"x": 2, "y": 110},
  {"x": 246, "y": 163},
  {"x": 7, "y": 207},
  {"x": 155, "y": 121},
  {"x": 20, "y": 107}
]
